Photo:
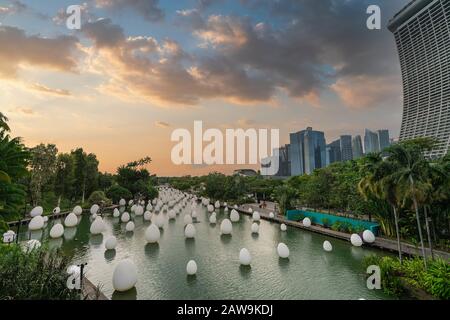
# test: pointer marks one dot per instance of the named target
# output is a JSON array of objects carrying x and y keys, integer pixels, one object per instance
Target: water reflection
[
  {"x": 110, "y": 255},
  {"x": 225, "y": 238},
  {"x": 283, "y": 263},
  {"x": 128, "y": 295},
  {"x": 245, "y": 271},
  {"x": 69, "y": 233},
  {"x": 54, "y": 244},
  {"x": 96, "y": 239},
  {"x": 34, "y": 235},
  {"x": 152, "y": 250}
]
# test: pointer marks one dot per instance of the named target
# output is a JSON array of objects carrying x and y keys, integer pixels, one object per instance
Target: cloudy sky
[{"x": 138, "y": 69}]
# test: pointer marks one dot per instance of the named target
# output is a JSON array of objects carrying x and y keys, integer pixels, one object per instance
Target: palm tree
[
  {"x": 3, "y": 123},
  {"x": 410, "y": 176},
  {"x": 378, "y": 181}
]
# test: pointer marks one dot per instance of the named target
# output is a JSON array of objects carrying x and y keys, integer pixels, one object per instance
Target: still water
[{"x": 309, "y": 273}]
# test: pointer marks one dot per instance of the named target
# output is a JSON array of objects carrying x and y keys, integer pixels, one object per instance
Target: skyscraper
[
  {"x": 346, "y": 147},
  {"x": 357, "y": 147},
  {"x": 422, "y": 34},
  {"x": 307, "y": 151},
  {"x": 333, "y": 152},
  {"x": 383, "y": 139},
  {"x": 371, "y": 142}
]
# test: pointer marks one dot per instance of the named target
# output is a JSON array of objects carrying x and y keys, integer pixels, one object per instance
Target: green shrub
[
  {"x": 98, "y": 197},
  {"x": 116, "y": 192},
  {"x": 437, "y": 279},
  {"x": 336, "y": 226},
  {"x": 325, "y": 222},
  {"x": 3, "y": 227},
  {"x": 37, "y": 275}
]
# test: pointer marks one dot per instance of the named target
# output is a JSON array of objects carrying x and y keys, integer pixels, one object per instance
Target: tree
[
  {"x": 86, "y": 173},
  {"x": 117, "y": 192},
  {"x": 285, "y": 196},
  {"x": 4, "y": 123},
  {"x": 43, "y": 168},
  {"x": 64, "y": 178},
  {"x": 105, "y": 181},
  {"x": 137, "y": 179}
]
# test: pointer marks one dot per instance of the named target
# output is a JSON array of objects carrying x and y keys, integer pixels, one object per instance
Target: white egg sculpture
[
  {"x": 213, "y": 218},
  {"x": 57, "y": 231},
  {"x": 194, "y": 214},
  {"x": 116, "y": 213},
  {"x": 244, "y": 257},
  {"x": 77, "y": 210},
  {"x": 37, "y": 223},
  {"x": 159, "y": 220},
  {"x": 250, "y": 210},
  {"x": 368, "y": 236},
  {"x": 111, "y": 243},
  {"x": 256, "y": 216},
  {"x": 122, "y": 202},
  {"x": 139, "y": 210},
  {"x": 283, "y": 250},
  {"x": 152, "y": 234},
  {"x": 56, "y": 210},
  {"x": 125, "y": 217},
  {"x": 71, "y": 220},
  {"x": 271, "y": 215},
  {"x": 327, "y": 246},
  {"x": 189, "y": 231},
  {"x": 191, "y": 268},
  {"x": 45, "y": 218},
  {"x": 226, "y": 209},
  {"x": 97, "y": 226},
  {"x": 9, "y": 236},
  {"x": 283, "y": 227},
  {"x": 210, "y": 208},
  {"x": 130, "y": 226},
  {"x": 147, "y": 216},
  {"x": 187, "y": 219},
  {"x": 133, "y": 208},
  {"x": 307, "y": 222},
  {"x": 124, "y": 276},
  {"x": 37, "y": 211},
  {"x": 226, "y": 227},
  {"x": 149, "y": 207},
  {"x": 234, "y": 216},
  {"x": 255, "y": 227},
  {"x": 130, "y": 202},
  {"x": 94, "y": 209},
  {"x": 356, "y": 240},
  {"x": 32, "y": 244},
  {"x": 172, "y": 214},
  {"x": 236, "y": 206},
  {"x": 217, "y": 204}
]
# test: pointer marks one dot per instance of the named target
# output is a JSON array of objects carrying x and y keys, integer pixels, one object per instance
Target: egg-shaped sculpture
[
  {"x": 327, "y": 246},
  {"x": 37, "y": 223},
  {"x": 213, "y": 218},
  {"x": 133, "y": 208},
  {"x": 356, "y": 240},
  {"x": 36, "y": 211},
  {"x": 271, "y": 215},
  {"x": 56, "y": 210},
  {"x": 234, "y": 216},
  {"x": 283, "y": 227},
  {"x": 283, "y": 250},
  {"x": 77, "y": 210},
  {"x": 250, "y": 210},
  {"x": 111, "y": 243},
  {"x": 368, "y": 236},
  {"x": 226, "y": 227},
  {"x": 147, "y": 216},
  {"x": 152, "y": 234},
  {"x": 217, "y": 204},
  {"x": 244, "y": 257},
  {"x": 124, "y": 276},
  {"x": 256, "y": 216},
  {"x": 130, "y": 226},
  {"x": 116, "y": 213},
  {"x": 189, "y": 231},
  {"x": 71, "y": 220},
  {"x": 94, "y": 209},
  {"x": 139, "y": 210},
  {"x": 160, "y": 220},
  {"x": 172, "y": 214},
  {"x": 210, "y": 208},
  {"x": 191, "y": 268},
  {"x": 122, "y": 202},
  {"x": 125, "y": 217},
  {"x": 57, "y": 231},
  {"x": 45, "y": 218},
  {"x": 97, "y": 226},
  {"x": 306, "y": 222},
  {"x": 255, "y": 227}
]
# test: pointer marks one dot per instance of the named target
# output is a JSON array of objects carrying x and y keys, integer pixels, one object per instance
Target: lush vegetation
[
  {"x": 43, "y": 176},
  {"x": 37, "y": 274},
  {"x": 397, "y": 277}
]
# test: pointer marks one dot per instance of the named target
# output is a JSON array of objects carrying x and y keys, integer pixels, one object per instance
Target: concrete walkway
[{"x": 380, "y": 242}]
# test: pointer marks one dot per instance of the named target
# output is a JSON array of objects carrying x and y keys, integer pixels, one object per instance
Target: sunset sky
[{"x": 138, "y": 69}]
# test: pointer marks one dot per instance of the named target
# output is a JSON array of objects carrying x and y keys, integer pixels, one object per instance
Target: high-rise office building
[
  {"x": 357, "y": 147},
  {"x": 307, "y": 151},
  {"x": 333, "y": 152},
  {"x": 383, "y": 139},
  {"x": 346, "y": 147},
  {"x": 371, "y": 142},
  {"x": 422, "y": 34}
]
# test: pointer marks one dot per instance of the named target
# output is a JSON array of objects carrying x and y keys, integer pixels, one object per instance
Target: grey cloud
[{"x": 148, "y": 9}]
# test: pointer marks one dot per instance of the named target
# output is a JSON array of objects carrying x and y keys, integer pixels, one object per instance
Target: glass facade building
[{"x": 307, "y": 151}]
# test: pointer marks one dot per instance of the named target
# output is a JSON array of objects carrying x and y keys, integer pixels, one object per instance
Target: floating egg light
[
  {"x": 77, "y": 210},
  {"x": 71, "y": 220},
  {"x": 116, "y": 213},
  {"x": 189, "y": 231},
  {"x": 191, "y": 268},
  {"x": 152, "y": 234},
  {"x": 57, "y": 231},
  {"x": 37, "y": 211},
  {"x": 283, "y": 227},
  {"x": 125, "y": 217},
  {"x": 124, "y": 276},
  {"x": 130, "y": 226},
  {"x": 57, "y": 210},
  {"x": 226, "y": 227},
  {"x": 94, "y": 209},
  {"x": 97, "y": 226},
  {"x": 327, "y": 246},
  {"x": 356, "y": 240},
  {"x": 111, "y": 243},
  {"x": 234, "y": 216},
  {"x": 256, "y": 216},
  {"x": 368, "y": 236},
  {"x": 307, "y": 222},
  {"x": 244, "y": 257},
  {"x": 283, "y": 250},
  {"x": 255, "y": 228},
  {"x": 36, "y": 223}
]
